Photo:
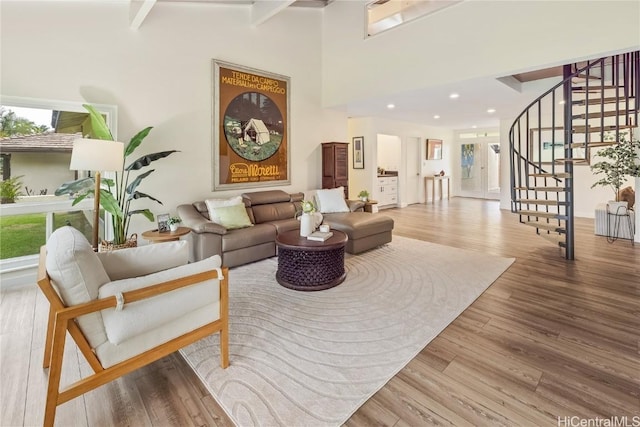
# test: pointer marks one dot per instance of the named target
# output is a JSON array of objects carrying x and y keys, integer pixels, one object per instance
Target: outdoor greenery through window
[{"x": 35, "y": 150}]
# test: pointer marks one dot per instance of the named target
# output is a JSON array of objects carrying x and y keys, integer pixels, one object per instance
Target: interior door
[
  {"x": 480, "y": 169},
  {"x": 413, "y": 171}
]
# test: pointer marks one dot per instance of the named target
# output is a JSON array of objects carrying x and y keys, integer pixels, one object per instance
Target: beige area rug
[{"x": 313, "y": 358}]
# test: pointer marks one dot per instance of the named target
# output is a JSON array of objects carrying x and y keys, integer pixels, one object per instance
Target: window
[{"x": 383, "y": 15}]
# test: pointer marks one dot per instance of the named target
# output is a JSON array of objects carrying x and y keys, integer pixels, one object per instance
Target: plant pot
[
  {"x": 173, "y": 227},
  {"x": 131, "y": 242},
  {"x": 617, "y": 208},
  {"x": 364, "y": 199}
]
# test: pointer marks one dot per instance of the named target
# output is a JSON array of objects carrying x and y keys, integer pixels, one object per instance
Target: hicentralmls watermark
[{"x": 623, "y": 421}]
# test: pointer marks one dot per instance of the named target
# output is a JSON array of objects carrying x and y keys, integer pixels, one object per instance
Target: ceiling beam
[
  {"x": 138, "y": 11},
  {"x": 263, "y": 10}
]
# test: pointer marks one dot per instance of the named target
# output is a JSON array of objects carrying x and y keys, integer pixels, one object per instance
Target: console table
[
  {"x": 307, "y": 265},
  {"x": 433, "y": 180}
]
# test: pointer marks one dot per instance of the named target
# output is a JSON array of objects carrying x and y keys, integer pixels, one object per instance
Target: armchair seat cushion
[{"x": 149, "y": 314}]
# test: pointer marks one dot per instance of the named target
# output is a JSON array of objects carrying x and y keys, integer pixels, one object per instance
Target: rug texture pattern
[{"x": 313, "y": 358}]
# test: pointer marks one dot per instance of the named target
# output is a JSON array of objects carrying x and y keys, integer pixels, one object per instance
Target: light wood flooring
[{"x": 550, "y": 338}]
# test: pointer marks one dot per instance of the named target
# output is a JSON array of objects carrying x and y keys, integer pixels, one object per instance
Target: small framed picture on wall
[
  {"x": 434, "y": 149},
  {"x": 358, "y": 152}
]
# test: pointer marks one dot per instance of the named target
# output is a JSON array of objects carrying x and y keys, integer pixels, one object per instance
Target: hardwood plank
[{"x": 550, "y": 338}]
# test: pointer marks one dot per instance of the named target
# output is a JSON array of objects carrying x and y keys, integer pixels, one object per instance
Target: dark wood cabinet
[{"x": 335, "y": 166}]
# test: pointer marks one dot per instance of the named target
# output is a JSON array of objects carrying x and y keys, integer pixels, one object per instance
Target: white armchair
[{"x": 126, "y": 308}]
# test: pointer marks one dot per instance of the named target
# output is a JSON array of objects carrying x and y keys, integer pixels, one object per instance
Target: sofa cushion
[
  {"x": 358, "y": 225},
  {"x": 273, "y": 212},
  {"x": 212, "y": 204},
  {"x": 286, "y": 225},
  {"x": 77, "y": 274},
  {"x": 331, "y": 200},
  {"x": 247, "y": 237},
  {"x": 232, "y": 217},
  {"x": 265, "y": 197},
  {"x": 148, "y": 314}
]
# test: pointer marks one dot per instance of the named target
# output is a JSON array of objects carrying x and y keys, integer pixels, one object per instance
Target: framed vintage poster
[
  {"x": 358, "y": 152},
  {"x": 250, "y": 128}
]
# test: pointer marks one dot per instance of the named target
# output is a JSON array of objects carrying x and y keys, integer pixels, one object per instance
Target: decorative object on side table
[
  {"x": 620, "y": 161},
  {"x": 308, "y": 219},
  {"x": 116, "y": 198},
  {"x": 364, "y": 195},
  {"x": 173, "y": 222}
]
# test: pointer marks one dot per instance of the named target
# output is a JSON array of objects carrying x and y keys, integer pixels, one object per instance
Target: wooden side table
[
  {"x": 154, "y": 236},
  {"x": 433, "y": 180},
  {"x": 371, "y": 206}
]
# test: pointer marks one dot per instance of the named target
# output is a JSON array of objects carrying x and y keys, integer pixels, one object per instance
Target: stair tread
[
  {"x": 599, "y": 114},
  {"x": 607, "y": 100},
  {"x": 551, "y": 175},
  {"x": 540, "y": 214},
  {"x": 594, "y": 144},
  {"x": 546, "y": 226},
  {"x": 594, "y": 88},
  {"x": 573, "y": 160},
  {"x": 583, "y": 129},
  {"x": 551, "y": 189},
  {"x": 539, "y": 202}
]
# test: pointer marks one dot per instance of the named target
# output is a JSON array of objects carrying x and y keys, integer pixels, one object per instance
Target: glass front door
[{"x": 480, "y": 169}]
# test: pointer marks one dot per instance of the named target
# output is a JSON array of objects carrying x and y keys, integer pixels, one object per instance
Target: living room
[{"x": 161, "y": 74}]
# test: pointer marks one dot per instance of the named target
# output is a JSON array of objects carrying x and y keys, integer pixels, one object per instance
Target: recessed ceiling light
[
  {"x": 436, "y": 117},
  {"x": 474, "y": 127},
  {"x": 491, "y": 110},
  {"x": 454, "y": 96},
  {"x": 391, "y": 106}
]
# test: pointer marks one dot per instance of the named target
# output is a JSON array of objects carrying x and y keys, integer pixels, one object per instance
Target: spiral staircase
[{"x": 593, "y": 106}]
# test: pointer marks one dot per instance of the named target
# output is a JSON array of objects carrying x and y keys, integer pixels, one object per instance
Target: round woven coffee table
[{"x": 307, "y": 265}]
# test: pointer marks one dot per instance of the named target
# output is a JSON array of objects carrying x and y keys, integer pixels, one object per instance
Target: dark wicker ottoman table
[{"x": 307, "y": 265}]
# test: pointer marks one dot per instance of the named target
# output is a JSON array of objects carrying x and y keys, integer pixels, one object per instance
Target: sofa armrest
[
  {"x": 196, "y": 222},
  {"x": 355, "y": 205}
]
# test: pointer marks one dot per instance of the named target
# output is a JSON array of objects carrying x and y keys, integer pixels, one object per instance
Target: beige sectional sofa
[{"x": 272, "y": 212}]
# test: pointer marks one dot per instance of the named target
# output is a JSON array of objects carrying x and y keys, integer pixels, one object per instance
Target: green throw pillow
[{"x": 233, "y": 217}]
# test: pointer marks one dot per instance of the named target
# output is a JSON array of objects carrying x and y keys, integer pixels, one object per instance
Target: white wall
[
  {"x": 161, "y": 76},
  {"x": 469, "y": 40},
  {"x": 389, "y": 152},
  {"x": 371, "y": 127}
]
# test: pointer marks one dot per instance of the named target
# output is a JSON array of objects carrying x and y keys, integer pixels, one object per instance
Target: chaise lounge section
[{"x": 272, "y": 212}]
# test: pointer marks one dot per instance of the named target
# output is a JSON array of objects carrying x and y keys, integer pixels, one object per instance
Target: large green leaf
[
  {"x": 147, "y": 159},
  {"x": 146, "y": 212},
  {"x": 137, "y": 140},
  {"x": 139, "y": 195},
  {"x": 99, "y": 128},
  {"x": 77, "y": 186},
  {"x": 131, "y": 188},
  {"x": 110, "y": 204}
]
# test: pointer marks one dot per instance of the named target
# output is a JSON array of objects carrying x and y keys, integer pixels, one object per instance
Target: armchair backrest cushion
[
  {"x": 143, "y": 260},
  {"x": 77, "y": 274},
  {"x": 141, "y": 316}
]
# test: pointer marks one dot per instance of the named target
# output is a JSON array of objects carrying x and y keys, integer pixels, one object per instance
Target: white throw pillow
[
  {"x": 212, "y": 204},
  {"x": 330, "y": 201}
]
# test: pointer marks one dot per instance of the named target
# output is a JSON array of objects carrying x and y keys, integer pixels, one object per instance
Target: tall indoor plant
[
  {"x": 117, "y": 194},
  {"x": 620, "y": 161}
]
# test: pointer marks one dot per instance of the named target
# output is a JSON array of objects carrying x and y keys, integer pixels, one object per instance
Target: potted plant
[
  {"x": 364, "y": 195},
  {"x": 120, "y": 192},
  {"x": 620, "y": 161},
  {"x": 173, "y": 222},
  {"x": 10, "y": 189}
]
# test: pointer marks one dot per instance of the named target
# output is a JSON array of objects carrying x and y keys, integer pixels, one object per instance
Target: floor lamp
[{"x": 96, "y": 155}]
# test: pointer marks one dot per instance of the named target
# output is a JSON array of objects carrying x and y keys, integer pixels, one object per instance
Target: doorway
[{"x": 480, "y": 167}]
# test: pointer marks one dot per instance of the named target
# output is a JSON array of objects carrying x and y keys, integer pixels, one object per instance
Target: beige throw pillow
[{"x": 212, "y": 204}]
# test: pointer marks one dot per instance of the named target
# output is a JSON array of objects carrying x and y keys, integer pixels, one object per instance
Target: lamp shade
[{"x": 97, "y": 155}]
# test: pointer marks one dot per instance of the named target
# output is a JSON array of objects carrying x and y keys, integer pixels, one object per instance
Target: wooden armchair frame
[{"x": 61, "y": 320}]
